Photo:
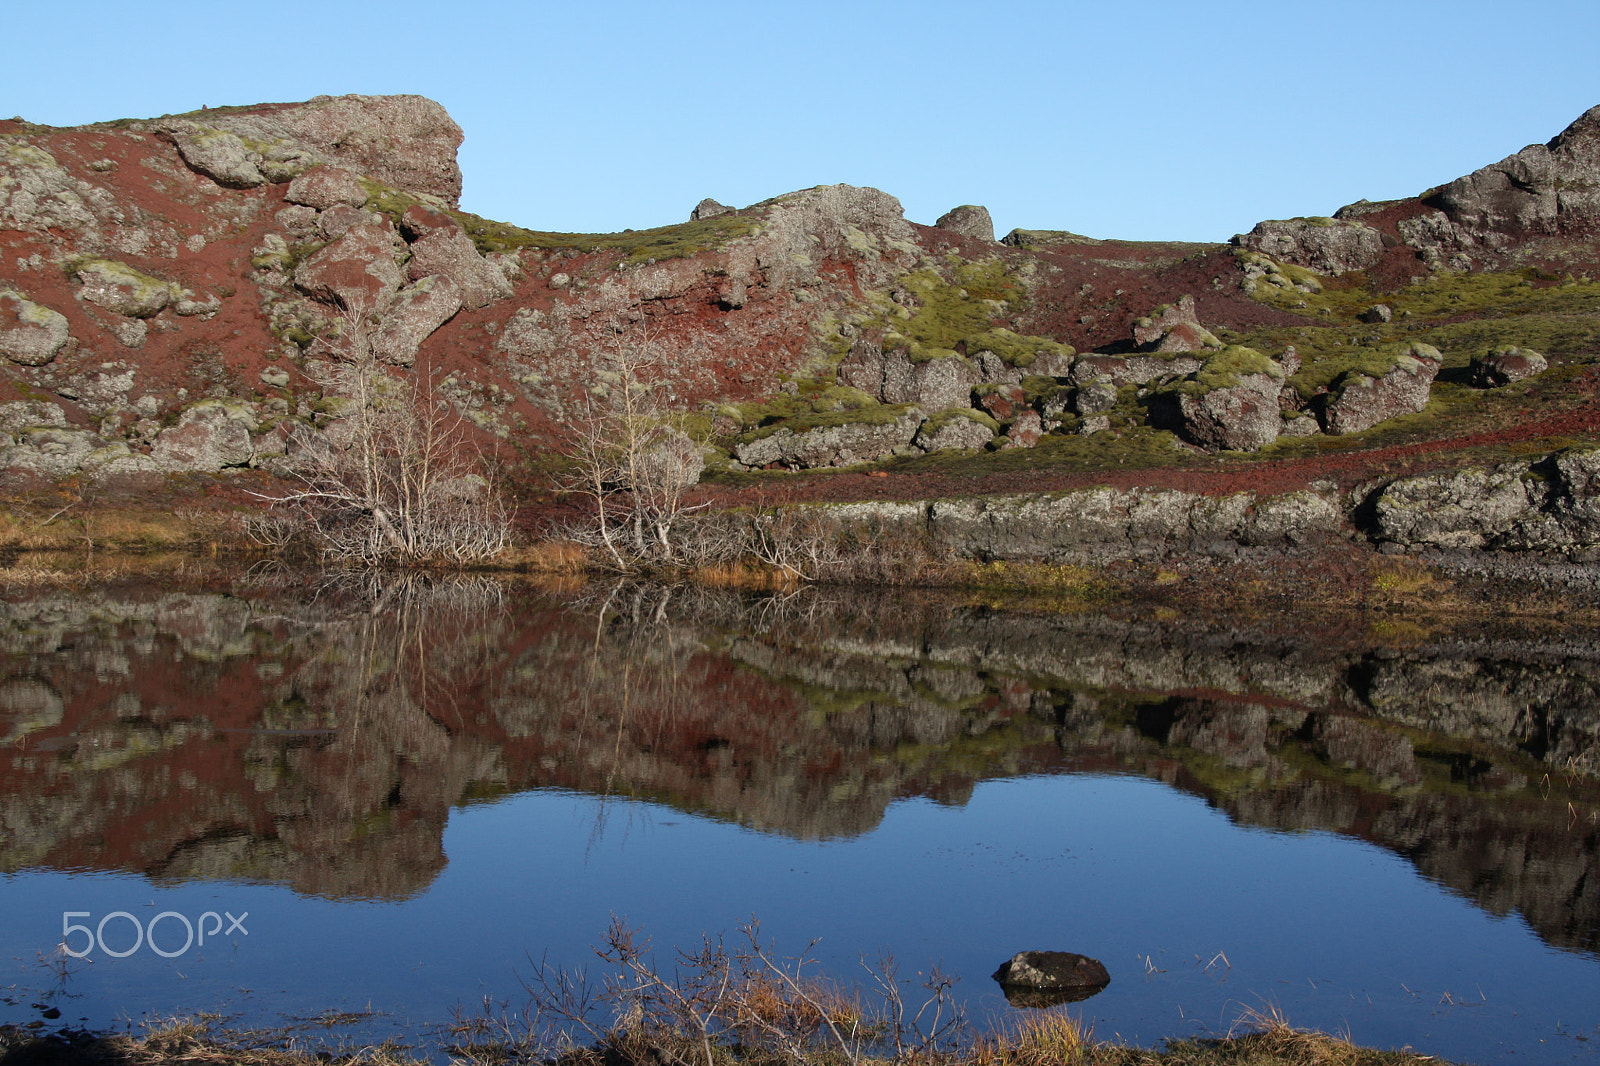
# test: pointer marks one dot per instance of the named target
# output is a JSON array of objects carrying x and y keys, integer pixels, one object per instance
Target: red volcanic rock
[{"x": 418, "y": 222}]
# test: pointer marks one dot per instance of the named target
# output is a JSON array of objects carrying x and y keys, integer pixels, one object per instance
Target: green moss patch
[
  {"x": 635, "y": 246},
  {"x": 1012, "y": 348}
]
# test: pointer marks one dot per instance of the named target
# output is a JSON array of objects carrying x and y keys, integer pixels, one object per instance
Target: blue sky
[{"x": 1143, "y": 119}]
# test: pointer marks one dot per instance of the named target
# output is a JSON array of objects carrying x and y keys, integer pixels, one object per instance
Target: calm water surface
[{"x": 408, "y": 806}]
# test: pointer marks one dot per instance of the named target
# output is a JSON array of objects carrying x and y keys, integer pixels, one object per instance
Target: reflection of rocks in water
[{"x": 198, "y": 736}]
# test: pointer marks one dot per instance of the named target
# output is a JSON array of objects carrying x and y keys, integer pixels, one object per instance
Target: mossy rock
[{"x": 1014, "y": 349}]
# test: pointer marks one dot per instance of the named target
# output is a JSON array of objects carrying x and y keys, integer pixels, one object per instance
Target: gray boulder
[
  {"x": 938, "y": 383},
  {"x": 411, "y": 316},
  {"x": 1133, "y": 369},
  {"x": 1503, "y": 366},
  {"x": 322, "y": 187},
  {"x": 853, "y": 442},
  {"x": 1545, "y": 188},
  {"x": 708, "y": 208},
  {"x": 1174, "y": 328},
  {"x": 1359, "y": 401},
  {"x": 50, "y": 451},
  {"x": 1096, "y": 396},
  {"x": 218, "y": 154},
  {"x": 1326, "y": 245},
  {"x": 959, "y": 429},
  {"x": 408, "y": 142},
  {"x": 452, "y": 254},
  {"x": 121, "y": 289},
  {"x": 209, "y": 436},
  {"x": 30, "y": 334},
  {"x": 969, "y": 220}
]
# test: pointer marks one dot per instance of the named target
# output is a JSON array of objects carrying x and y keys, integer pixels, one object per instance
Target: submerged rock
[{"x": 1045, "y": 978}]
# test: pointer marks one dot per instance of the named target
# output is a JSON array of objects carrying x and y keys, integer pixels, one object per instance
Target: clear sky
[{"x": 1140, "y": 119}]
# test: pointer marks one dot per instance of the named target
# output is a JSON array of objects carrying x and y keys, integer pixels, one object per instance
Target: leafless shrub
[
  {"x": 714, "y": 999},
  {"x": 629, "y": 459},
  {"x": 394, "y": 480}
]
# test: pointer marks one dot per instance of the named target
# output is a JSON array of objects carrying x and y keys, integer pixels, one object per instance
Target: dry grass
[{"x": 1262, "y": 1037}]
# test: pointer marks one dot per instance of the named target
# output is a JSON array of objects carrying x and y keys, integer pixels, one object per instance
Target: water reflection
[{"x": 321, "y": 740}]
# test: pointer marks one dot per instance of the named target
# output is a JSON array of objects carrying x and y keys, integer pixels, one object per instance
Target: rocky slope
[{"x": 174, "y": 293}]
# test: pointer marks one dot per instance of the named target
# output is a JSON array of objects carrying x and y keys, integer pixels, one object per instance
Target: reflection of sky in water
[{"x": 1333, "y": 931}]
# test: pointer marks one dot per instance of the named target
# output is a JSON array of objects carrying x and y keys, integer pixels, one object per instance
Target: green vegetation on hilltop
[{"x": 636, "y": 246}]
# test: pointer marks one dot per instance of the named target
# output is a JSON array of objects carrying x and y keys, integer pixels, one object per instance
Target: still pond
[{"x": 384, "y": 808}]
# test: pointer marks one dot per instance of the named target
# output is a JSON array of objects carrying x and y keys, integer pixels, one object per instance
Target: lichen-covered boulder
[
  {"x": 1470, "y": 508},
  {"x": 452, "y": 254},
  {"x": 209, "y": 436},
  {"x": 357, "y": 272},
  {"x": 322, "y": 187},
  {"x": 37, "y": 193},
  {"x": 408, "y": 142},
  {"x": 890, "y": 375},
  {"x": 1325, "y": 245},
  {"x": 411, "y": 316},
  {"x": 955, "y": 429},
  {"x": 49, "y": 451},
  {"x": 1134, "y": 369},
  {"x": 30, "y": 334},
  {"x": 833, "y": 445},
  {"x": 1503, "y": 366},
  {"x": 1359, "y": 400},
  {"x": 939, "y": 383},
  {"x": 1231, "y": 403},
  {"x": 969, "y": 220},
  {"x": 1174, "y": 328},
  {"x": 121, "y": 289},
  {"x": 218, "y": 154},
  {"x": 708, "y": 208}
]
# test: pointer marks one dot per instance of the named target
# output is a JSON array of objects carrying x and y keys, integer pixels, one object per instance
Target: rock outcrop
[
  {"x": 408, "y": 142},
  {"x": 1326, "y": 245},
  {"x": 969, "y": 220}
]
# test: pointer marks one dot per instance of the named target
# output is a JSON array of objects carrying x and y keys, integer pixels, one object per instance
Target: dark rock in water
[{"x": 1045, "y": 978}]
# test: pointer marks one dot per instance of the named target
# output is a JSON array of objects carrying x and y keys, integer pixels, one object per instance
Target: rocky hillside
[{"x": 174, "y": 291}]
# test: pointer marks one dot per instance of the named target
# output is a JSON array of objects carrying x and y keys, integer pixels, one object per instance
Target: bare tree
[
  {"x": 396, "y": 478},
  {"x": 629, "y": 458}
]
